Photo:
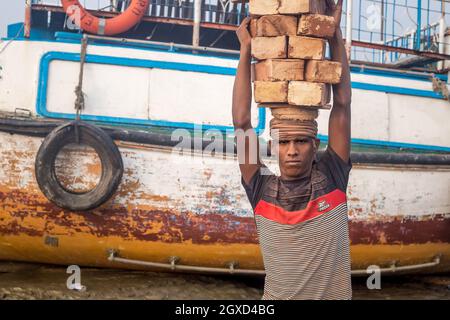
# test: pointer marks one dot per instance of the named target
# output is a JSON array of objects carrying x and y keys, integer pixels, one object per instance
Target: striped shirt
[{"x": 302, "y": 227}]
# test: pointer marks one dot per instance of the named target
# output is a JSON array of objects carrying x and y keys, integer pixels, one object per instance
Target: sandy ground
[{"x": 32, "y": 281}]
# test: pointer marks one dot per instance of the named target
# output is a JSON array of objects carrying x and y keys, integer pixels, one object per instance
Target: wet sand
[{"x": 33, "y": 281}]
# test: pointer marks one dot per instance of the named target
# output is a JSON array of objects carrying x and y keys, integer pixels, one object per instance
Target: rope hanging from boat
[
  {"x": 79, "y": 102},
  {"x": 79, "y": 132}
]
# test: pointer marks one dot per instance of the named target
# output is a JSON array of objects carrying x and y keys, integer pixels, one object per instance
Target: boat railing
[
  {"x": 213, "y": 11},
  {"x": 429, "y": 41},
  {"x": 380, "y": 32}
]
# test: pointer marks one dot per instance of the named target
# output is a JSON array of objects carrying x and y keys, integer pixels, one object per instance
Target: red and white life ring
[{"x": 89, "y": 23}]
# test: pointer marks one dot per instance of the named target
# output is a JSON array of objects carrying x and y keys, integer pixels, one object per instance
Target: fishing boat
[{"x": 162, "y": 92}]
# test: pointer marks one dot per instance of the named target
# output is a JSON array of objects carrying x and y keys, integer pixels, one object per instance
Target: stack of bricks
[{"x": 291, "y": 76}]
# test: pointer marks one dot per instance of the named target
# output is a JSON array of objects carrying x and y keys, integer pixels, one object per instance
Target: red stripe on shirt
[{"x": 314, "y": 208}]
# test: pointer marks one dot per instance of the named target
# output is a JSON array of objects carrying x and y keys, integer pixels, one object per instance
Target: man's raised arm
[
  {"x": 339, "y": 127},
  {"x": 248, "y": 152}
]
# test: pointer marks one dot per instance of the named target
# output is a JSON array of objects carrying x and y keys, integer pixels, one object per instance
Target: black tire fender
[{"x": 107, "y": 151}]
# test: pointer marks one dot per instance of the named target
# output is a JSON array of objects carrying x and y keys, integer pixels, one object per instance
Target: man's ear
[{"x": 316, "y": 144}]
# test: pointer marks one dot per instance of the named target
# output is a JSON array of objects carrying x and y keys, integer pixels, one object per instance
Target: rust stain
[
  {"x": 208, "y": 173},
  {"x": 430, "y": 229},
  {"x": 12, "y": 164},
  {"x": 30, "y": 213},
  {"x": 210, "y": 194},
  {"x": 154, "y": 197},
  {"x": 94, "y": 168},
  {"x": 34, "y": 215},
  {"x": 128, "y": 187}
]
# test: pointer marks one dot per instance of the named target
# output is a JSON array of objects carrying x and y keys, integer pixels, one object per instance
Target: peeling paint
[{"x": 200, "y": 206}]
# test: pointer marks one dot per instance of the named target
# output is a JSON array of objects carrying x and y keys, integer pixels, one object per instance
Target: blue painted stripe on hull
[
  {"x": 392, "y": 144},
  {"x": 50, "y": 56},
  {"x": 74, "y": 38},
  {"x": 397, "y": 90},
  {"x": 41, "y": 104}
]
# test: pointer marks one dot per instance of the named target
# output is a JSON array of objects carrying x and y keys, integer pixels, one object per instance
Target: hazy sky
[
  {"x": 13, "y": 10},
  {"x": 10, "y": 11}
]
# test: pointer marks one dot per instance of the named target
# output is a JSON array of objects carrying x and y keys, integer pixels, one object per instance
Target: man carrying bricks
[{"x": 301, "y": 216}]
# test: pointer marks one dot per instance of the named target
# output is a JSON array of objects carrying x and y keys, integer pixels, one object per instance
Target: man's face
[{"x": 295, "y": 156}]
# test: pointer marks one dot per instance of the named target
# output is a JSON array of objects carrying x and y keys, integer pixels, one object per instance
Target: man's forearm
[
  {"x": 342, "y": 90},
  {"x": 242, "y": 91}
]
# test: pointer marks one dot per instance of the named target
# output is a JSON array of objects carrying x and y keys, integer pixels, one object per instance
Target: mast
[
  {"x": 27, "y": 21},
  {"x": 442, "y": 28},
  {"x": 197, "y": 18},
  {"x": 382, "y": 21},
  {"x": 348, "y": 33},
  {"x": 419, "y": 24}
]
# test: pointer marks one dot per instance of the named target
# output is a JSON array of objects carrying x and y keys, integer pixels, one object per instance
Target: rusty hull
[
  {"x": 32, "y": 229},
  {"x": 153, "y": 227}
]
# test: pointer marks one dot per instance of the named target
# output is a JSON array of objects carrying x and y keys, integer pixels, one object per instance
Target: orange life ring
[{"x": 100, "y": 26}]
